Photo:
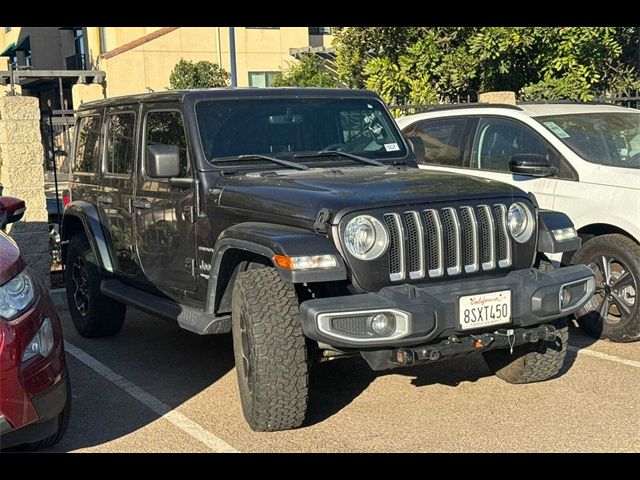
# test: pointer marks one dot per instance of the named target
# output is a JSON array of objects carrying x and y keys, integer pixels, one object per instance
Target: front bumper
[
  {"x": 429, "y": 313},
  {"x": 48, "y": 406}
]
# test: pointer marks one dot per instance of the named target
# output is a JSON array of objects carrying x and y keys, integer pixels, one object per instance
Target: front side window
[
  {"x": 611, "y": 139},
  {"x": 288, "y": 127},
  {"x": 120, "y": 147},
  {"x": 499, "y": 139},
  {"x": 167, "y": 128},
  {"x": 442, "y": 140},
  {"x": 87, "y": 144}
]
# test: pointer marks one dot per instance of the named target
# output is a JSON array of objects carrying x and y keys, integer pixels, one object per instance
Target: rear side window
[
  {"x": 442, "y": 140},
  {"x": 167, "y": 128},
  {"x": 88, "y": 144},
  {"x": 119, "y": 151}
]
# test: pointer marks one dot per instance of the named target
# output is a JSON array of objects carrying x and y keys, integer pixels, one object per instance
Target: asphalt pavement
[{"x": 157, "y": 388}]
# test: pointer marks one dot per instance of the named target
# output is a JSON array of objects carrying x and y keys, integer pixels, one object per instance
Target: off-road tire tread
[
  {"x": 106, "y": 316},
  {"x": 529, "y": 363},
  {"x": 278, "y": 351}
]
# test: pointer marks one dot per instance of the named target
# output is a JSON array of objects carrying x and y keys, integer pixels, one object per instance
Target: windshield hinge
[{"x": 321, "y": 224}]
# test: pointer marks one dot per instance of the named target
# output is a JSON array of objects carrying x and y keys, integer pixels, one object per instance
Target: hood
[
  {"x": 11, "y": 263},
  {"x": 301, "y": 194}
]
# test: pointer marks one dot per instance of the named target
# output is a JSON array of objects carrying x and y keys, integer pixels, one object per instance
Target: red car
[{"x": 34, "y": 387}]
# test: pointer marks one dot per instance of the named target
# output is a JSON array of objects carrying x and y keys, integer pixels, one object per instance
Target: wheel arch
[
  {"x": 257, "y": 243},
  {"x": 82, "y": 217}
]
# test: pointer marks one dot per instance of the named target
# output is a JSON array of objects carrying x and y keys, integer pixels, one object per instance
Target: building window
[
  {"x": 7, "y": 29},
  {"x": 262, "y": 79},
  {"x": 319, "y": 30},
  {"x": 103, "y": 39}
]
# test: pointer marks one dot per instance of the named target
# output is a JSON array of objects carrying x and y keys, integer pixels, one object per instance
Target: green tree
[
  {"x": 426, "y": 64},
  {"x": 308, "y": 72},
  {"x": 187, "y": 74}
]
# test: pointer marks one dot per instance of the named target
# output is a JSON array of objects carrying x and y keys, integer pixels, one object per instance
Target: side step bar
[{"x": 189, "y": 318}]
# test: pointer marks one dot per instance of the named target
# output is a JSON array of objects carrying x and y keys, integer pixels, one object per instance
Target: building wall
[
  {"x": 147, "y": 66},
  {"x": 49, "y": 45}
]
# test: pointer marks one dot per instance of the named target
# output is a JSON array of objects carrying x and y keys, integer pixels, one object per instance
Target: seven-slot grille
[{"x": 433, "y": 242}]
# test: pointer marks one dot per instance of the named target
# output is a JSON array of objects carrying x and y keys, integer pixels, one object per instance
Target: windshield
[
  {"x": 284, "y": 127},
  {"x": 611, "y": 139}
]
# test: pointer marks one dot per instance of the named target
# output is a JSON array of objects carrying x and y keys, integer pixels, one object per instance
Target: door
[
  {"x": 117, "y": 185},
  {"x": 497, "y": 139},
  {"x": 164, "y": 213}
]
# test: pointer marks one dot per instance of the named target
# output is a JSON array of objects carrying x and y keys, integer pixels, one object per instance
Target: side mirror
[
  {"x": 417, "y": 146},
  {"x": 11, "y": 210},
  {"x": 531, "y": 164},
  {"x": 163, "y": 161}
]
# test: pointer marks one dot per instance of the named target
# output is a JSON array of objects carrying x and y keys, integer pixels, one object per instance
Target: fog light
[{"x": 383, "y": 324}]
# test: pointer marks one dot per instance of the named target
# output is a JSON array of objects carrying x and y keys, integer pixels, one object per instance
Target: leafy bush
[{"x": 187, "y": 74}]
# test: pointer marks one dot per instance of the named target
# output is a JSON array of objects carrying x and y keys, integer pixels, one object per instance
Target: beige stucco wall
[{"x": 148, "y": 66}]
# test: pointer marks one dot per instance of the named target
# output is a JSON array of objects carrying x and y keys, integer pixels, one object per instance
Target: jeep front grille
[{"x": 448, "y": 241}]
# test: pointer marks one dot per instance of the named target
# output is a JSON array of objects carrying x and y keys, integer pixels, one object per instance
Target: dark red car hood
[{"x": 11, "y": 263}]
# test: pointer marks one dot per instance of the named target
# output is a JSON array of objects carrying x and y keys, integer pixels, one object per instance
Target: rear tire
[
  {"x": 93, "y": 314},
  {"x": 270, "y": 351},
  {"x": 532, "y": 362},
  {"x": 613, "y": 311}
]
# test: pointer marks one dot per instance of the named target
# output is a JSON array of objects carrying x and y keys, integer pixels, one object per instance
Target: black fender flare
[
  {"x": 267, "y": 240},
  {"x": 88, "y": 215}
]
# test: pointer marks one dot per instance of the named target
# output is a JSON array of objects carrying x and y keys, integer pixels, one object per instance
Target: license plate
[{"x": 485, "y": 309}]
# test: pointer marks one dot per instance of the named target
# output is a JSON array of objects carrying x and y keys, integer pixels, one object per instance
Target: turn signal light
[{"x": 305, "y": 262}]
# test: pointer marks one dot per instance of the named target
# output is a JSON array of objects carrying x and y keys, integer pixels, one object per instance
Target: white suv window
[{"x": 498, "y": 139}]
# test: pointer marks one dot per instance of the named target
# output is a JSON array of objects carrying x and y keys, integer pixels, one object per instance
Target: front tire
[
  {"x": 270, "y": 351},
  {"x": 93, "y": 314},
  {"x": 613, "y": 311},
  {"x": 533, "y": 362}
]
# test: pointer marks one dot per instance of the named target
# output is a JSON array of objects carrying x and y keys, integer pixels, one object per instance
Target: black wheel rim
[
  {"x": 246, "y": 352},
  {"x": 80, "y": 286},
  {"x": 614, "y": 299}
]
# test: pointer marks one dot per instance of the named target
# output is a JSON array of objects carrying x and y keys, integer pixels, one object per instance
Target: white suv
[{"x": 580, "y": 159}]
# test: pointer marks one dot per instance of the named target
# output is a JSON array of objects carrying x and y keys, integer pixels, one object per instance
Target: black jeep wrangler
[{"x": 296, "y": 219}]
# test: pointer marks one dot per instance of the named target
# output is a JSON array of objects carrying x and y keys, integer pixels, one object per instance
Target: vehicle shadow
[{"x": 174, "y": 366}]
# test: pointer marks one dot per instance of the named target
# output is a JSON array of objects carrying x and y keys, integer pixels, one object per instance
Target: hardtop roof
[{"x": 227, "y": 92}]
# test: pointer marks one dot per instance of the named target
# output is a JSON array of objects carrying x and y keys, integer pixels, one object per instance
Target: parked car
[
  {"x": 580, "y": 159},
  {"x": 297, "y": 220},
  {"x": 35, "y": 399}
]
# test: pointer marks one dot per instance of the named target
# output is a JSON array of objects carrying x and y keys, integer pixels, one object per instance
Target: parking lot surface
[{"x": 157, "y": 388}]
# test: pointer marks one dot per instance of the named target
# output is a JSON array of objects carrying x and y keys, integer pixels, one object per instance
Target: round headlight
[
  {"x": 520, "y": 222},
  {"x": 365, "y": 237}
]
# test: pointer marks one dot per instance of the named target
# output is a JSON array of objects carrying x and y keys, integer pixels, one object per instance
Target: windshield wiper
[
  {"x": 279, "y": 161},
  {"x": 327, "y": 153}
]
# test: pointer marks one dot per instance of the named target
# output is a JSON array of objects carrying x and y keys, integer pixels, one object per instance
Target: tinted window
[
  {"x": 120, "y": 139},
  {"x": 167, "y": 128},
  {"x": 498, "y": 139},
  {"x": 283, "y": 127},
  {"x": 88, "y": 143},
  {"x": 606, "y": 138},
  {"x": 442, "y": 140}
]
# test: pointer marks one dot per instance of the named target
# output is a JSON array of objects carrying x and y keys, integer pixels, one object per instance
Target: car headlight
[
  {"x": 520, "y": 221},
  {"x": 365, "y": 237},
  {"x": 16, "y": 295}
]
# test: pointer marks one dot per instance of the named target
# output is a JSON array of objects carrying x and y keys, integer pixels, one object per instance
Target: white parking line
[
  {"x": 604, "y": 356},
  {"x": 162, "y": 409}
]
